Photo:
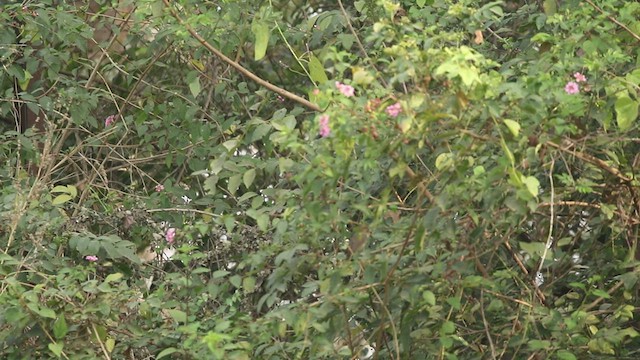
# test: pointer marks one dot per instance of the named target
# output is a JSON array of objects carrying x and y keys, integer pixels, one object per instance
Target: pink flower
[
  {"x": 91, "y": 258},
  {"x": 316, "y": 91},
  {"x": 394, "y": 110},
  {"x": 346, "y": 90},
  {"x": 579, "y": 77},
  {"x": 324, "y": 126},
  {"x": 109, "y": 120},
  {"x": 572, "y": 88},
  {"x": 170, "y": 236},
  {"x": 159, "y": 187}
]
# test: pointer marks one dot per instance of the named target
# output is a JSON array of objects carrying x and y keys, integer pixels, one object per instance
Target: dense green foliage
[{"x": 460, "y": 183}]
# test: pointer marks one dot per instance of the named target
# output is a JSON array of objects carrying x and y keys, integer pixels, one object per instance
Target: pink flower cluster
[
  {"x": 324, "y": 126},
  {"x": 109, "y": 120},
  {"x": 572, "y": 87},
  {"x": 170, "y": 236},
  {"x": 394, "y": 110},
  {"x": 346, "y": 90},
  {"x": 159, "y": 187},
  {"x": 91, "y": 258}
]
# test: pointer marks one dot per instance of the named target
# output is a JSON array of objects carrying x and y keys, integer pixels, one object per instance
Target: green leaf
[
  {"x": 61, "y": 199},
  {"x": 316, "y": 70},
  {"x": 532, "y": 184},
  {"x": 448, "y": 327},
  {"x": 535, "y": 248},
  {"x": 178, "y": 316},
  {"x": 626, "y": 112},
  {"x": 444, "y": 161},
  {"x": 429, "y": 297},
  {"x": 166, "y": 352},
  {"x": 565, "y": 355},
  {"x": 539, "y": 344},
  {"x": 263, "y": 222},
  {"x": 113, "y": 277},
  {"x": 230, "y": 144},
  {"x": 513, "y": 126},
  {"x": 261, "y": 32},
  {"x": 60, "y": 328},
  {"x": 194, "y": 86},
  {"x": 248, "y": 177},
  {"x": 110, "y": 344},
  {"x": 234, "y": 184},
  {"x": 56, "y": 348},
  {"x": 550, "y": 7},
  {"x": 44, "y": 312},
  {"x": 601, "y": 346},
  {"x": 248, "y": 284}
]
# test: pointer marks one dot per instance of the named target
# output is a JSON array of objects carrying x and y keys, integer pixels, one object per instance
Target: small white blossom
[{"x": 186, "y": 199}]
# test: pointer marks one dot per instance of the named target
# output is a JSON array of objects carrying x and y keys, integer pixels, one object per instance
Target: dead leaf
[{"x": 479, "y": 38}]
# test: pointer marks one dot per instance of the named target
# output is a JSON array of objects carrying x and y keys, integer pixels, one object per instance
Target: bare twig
[
  {"x": 592, "y": 160},
  {"x": 486, "y": 326},
  {"x": 547, "y": 246}
]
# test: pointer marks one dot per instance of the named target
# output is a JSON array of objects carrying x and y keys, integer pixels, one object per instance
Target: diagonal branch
[{"x": 238, "y": 67}]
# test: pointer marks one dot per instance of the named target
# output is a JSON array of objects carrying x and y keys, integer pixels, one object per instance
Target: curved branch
[{"x": 240, "y": 68}]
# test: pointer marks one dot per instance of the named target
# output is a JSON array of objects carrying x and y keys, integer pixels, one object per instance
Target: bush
[{"x": 460, "y": 183}]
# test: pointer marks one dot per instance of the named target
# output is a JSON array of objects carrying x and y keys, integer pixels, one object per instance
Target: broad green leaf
[
  {"x": 61, "y": 199},
  {"x": 166, "y": 352},
  {"x": 263, "y": 222},
  {"x": 448, "y": 327},
  {"x": 113, "y": 277},
  {"x": 194, "y": 86},
  {"x": 626, "y": 112},
  {"x": 532, "y": 184},
  {"x": 550, "y": 7},
  {"x": 429, "y": 297},
  {"x": 285, "y": 164},
  {"x": 565, "y": 355},
  {"x": 444, "y": 161},
  {"x": 361, "y": 76},
  {"x": 56, "y": 348},
  {"x": 178, "y": 316},
  {"x": 110, "y": 344},
  {"x": 234, "y": 184},
  {"x": 60, "y": 328},
  {"x": 248, "y": 284},
  {"x": 316, "y": 70},
  {"x": 44, "y": 312},
  {"x": 513, "y": 126},
  {"x": 248, "y": 177},
  {"x": 536, "y": 344},
  {"x": 535, "y": 248},
  {"x": 601, "y": 346},
  {"x": 230, "y": 144},
  {"x": 261, "y": 32}
]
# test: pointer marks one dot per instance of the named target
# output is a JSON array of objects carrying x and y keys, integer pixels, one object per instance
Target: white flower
[{"x": 186, "y": 199}]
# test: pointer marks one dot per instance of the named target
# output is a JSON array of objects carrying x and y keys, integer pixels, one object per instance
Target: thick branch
[{"x": 239, "y": 67}]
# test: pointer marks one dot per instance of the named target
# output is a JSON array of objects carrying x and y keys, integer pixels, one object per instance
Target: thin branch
[
  {"x": 636, "y": 36},
  {"x": 486, "y": 326},
  {"x": 551, "y": 222},
  {"x": 355, "y": 35},
  {"x": 592, "y": 160},
  {"x": 238, "y": 67}
]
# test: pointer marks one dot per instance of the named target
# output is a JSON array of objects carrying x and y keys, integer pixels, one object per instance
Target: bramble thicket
[{"x": 370, "y": 179}]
